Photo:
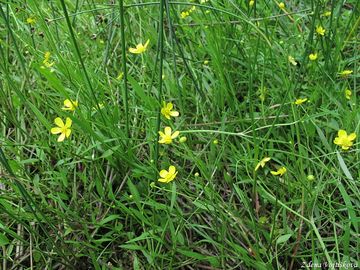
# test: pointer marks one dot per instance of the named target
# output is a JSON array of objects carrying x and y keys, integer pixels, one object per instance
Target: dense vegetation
[{"x": 179, "y": 135}]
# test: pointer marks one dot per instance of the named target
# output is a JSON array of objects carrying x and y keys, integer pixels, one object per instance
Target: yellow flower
[
  {"x": 281, "y": 171},
  {"x": 262, "y": 163},
  {"x": 184, "y": 14},
  {"x": 46, "y": 60},
  {"x": 167, "y": 176},
  {"x": 320, "y": 30},
  {"x": 31, "y": 20},
  {"x": 346, "y": 72},
  {"x": 344, "y": 140},
  {"x": 300, "y": 101},
  {"x": 70, "y": 105},
  {"x": 310, "y": 177},
  {"x": 281, "y": 5},
  {"x": 251, "y": 3},
  {"x": 167, "y": 136},
  {"x": 166, "y": 110},
  {"x": 120, "y": 76},
  {"x": 206, "y": 62},
  {"x": 313, "y": 56},
  {"x": 63, "y": 129},
  {"x": 292, "y": 60},
  {"x": 140, "y": 48},
  {"x": 348, "y": 94},
  {"x": 327, "y": 13}
]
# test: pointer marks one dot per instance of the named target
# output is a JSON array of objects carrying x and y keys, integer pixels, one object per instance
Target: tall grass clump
[{"x": 179, "y": 134}]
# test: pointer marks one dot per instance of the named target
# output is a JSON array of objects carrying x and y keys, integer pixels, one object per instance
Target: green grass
[{"x": 93, "y": 201}]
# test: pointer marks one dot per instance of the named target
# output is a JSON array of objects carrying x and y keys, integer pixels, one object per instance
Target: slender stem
[
  {"x": 21, "y": 59},
  {"x": 161, "y": 55},
  {"x": 80, "y": 59},
  {"x": 124, "y": 68}
]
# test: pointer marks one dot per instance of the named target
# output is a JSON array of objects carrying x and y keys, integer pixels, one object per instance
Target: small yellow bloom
[
  {"x": 281, "y": 5},
  {"x": 196, "y": 174},
  {"x": 281, "y": 171},
  {"x": 167, "y": 176},
  {"x": 320, "y": 30},
  {"x": 140, "y": 48},
  {"x": 346, "y": 72},
  {"x": 167, "y": 136},
  {"x": 167, "y": 111},
  {"x": 300, "y": 101},
  {"x": 184, "y": 14},
  {"x": 120, "y": 76},
  {"x": 310, "y": 177},
  {"x": 70, "y": 105},
  {"x": 251, "y": 3},
  {"x": 31, "y": 20},
  {"x": 262, "y": 163},
  {"x": 63, "y": 129},
  {"x": 292, "y": 60},
  {"x": 348, "y": 94},
  {"x": 206, "y": 62},
  {"x": 313, "y": 56},
  {"x": 344, "y": 140},
  {"x": 216, "y": 141},
  {"x": 46, "y": 60},
  {"x": 327, "y": 14}
]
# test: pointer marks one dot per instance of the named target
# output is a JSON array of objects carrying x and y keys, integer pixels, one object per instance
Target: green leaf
[
  {"x": 284, "y": 238},
  {"x": 3, "y": 240},
  {"x": 344, "y": 167}
]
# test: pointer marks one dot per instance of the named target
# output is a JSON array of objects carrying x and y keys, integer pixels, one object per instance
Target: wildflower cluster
[
  {"x": 47, "y": 63},
  {"x": 187, "y": 13},
  {"x": 167, "y": 137},
  {"x": 64, "y": 129}
]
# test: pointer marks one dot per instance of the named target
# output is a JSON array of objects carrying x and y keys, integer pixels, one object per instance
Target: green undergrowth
[{"x": 250, "y": 80}]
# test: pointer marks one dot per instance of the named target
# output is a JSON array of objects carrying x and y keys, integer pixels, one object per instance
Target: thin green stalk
[
  {"x": 35, "y": 210},
  {"x": 160, "y": 81},
  {"x": 80, "y": 59},
  {"x": 172, "y": 43},
  {"x": 6, "y": 19},
  {"x": 124, "y": 68}
]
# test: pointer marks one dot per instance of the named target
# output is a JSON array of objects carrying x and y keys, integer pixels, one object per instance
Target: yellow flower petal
[
  {"x": 132, "y": 50},
  {"x": 61, "y": 137},
  {"x": 167, "y": 131},
  {"x": 352, "y": 136},
  {"x": 172, "y": 169},
  {"x": 342, "y": 133},
  {"x": 67, "y": 133},
  {"x": 146, "y": 44},
  {"x": 169, "y": 106},
  {"x": 55, "y": 130},
  {"x": 174, "y": 114},
  {"x": 175, "y": 134},
  {"x": 163, "y": 173},
  {"x": 68, "y": 122},
  {"x": 59, "y": 122}
]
